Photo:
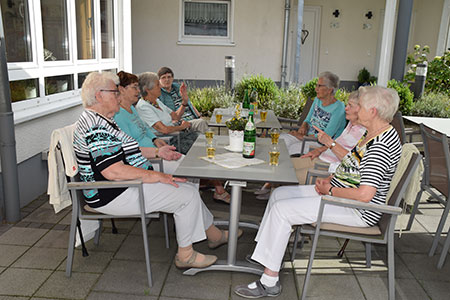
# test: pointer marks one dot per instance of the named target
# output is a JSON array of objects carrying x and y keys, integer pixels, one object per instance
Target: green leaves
[
  {"x": 405, "y": 94},
  {"x": 432, "y": 104}
]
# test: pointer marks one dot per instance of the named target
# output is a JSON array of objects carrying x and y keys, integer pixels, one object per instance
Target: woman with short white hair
[{"x": 364, "y": 174}]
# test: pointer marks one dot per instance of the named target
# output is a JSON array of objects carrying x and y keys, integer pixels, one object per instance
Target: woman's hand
[
  {"x": 159, "y": 143},
  {"x": 185, "y": 124},
  {"x": 323, "y": 185},
  {"x": 312, "y": 154},
  {"x": 323, "y": 137},
  {"x": 169, "y": 179},
  {"x": 168, "y": 153},
  {"x": 183, "y": 93}
]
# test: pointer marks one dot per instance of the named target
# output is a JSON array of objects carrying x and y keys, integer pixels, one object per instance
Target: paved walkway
[{"x": 33, "y": 254}]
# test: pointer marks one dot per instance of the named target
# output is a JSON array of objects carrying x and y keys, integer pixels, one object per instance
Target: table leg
[{"x": 230, "y": 264}]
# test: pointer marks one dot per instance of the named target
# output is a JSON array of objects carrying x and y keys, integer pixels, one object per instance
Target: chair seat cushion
[{"x": 373, "y": 230}]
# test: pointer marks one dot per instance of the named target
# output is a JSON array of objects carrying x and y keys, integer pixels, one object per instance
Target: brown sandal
[{"x": 191, "y": 263}]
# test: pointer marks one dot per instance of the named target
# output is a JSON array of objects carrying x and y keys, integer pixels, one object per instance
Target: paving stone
[
  {"x": 323, "y": 263},
  {"x": 34, "y": 225},
  {"x": 116, "y": 296},
  {"x": 48, "y": 225},
  {"x": 377, "y": 288},
  {"x": 204, "y": 285},
  {"x": 379, "y": 265},
  {"x": 41, "y": 258},
  {"x": 413, "y": 243},
  {"x": 108, "y": 242},
  {"x": 130, "y": 277},
  {"x": 424, "y": 267},
  {"x": 336, "y": 287},
  {"x": 2, "y": 269},
  {"x": 436, "y": 289},
  {"x": 133, "y": 249},
  {"x": 13, "y": 298},
  {"x": 96, "y": 262},
  {"x": 22, "y": 224},
  {"x": 66, "y": 220},
  {"x": 9, "y": 253},
  {"x": 54, "y": 239},
  {"x": 59, "y": 227},
  {"x": 22, "y": 236},
  {"x": 60, "y": 286},
  {"x": 22, "y": 282},
  {"x": 42, "y": 215}
]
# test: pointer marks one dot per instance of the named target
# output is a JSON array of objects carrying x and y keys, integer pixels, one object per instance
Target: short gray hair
[
  {"x": 93, "y": 83},
  {"x": 331, "y": 80},
  {"x": 147, "y": 80},
  {"x": 354, "y": 96},
  {"x": 384, "y": 100}
]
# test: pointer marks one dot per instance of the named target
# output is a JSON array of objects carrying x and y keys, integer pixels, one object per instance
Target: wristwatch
[
  {"x": 332, "y": 144},
  {"x": 330, "y": 191}
]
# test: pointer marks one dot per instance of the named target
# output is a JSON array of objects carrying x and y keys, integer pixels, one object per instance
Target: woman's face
[
  {"x": 351, "y": 110},
  {"x": 166, "y": 81},
  {"x": 155, "y": 92},
  {"x": 130, "y": 93},
  {"x": 366, "y": 115}
]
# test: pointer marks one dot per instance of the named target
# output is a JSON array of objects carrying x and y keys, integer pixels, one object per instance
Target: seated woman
[
  {"x": 158, "y": 116},
  {"x": 104, "y": 152},
  {"x": 129, "y": 121},
  {"x": 176, "y": 98},
  {"x": 364, "y": 174},
  {"x": 333, "y": 150}
]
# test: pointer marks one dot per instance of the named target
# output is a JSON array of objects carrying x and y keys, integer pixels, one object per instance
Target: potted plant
[{"x": 236, "y": 128}]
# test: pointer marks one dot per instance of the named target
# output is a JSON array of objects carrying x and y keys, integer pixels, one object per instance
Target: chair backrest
[
  {"x": 399, "y": 126},
  {"x": 399, "y": 190},
  {"x": 305, "y": 110},
  {"x": 437, "y": 159}
]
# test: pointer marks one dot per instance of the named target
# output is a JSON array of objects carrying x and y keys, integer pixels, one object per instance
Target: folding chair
[{"x": 383, "y": 233}]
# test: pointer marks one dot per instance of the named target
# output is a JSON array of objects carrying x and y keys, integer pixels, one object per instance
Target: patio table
[
  {"x": 194, "y": 166},
  {"x": 441, "y": 125},
  {"x": 228, "y": 113}
]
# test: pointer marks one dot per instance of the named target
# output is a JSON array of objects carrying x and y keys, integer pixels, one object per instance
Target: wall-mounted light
[
  {"x": 369, "y": 15},
  {"x": 336, "y": 13}
]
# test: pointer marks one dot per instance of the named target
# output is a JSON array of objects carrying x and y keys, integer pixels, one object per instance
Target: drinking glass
[
  {"x": 274, "y": 154},
  {"x": 263, "y": 115},
  {"x": 275, "y": 135},
  {"x": 211, "y": 149},
  {"x": 209, "y": 134},
  {"x": 218, "y": 118}
]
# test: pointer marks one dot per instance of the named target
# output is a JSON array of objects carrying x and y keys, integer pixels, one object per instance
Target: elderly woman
[
  {"x": 104, "y": 152},
  {"x": 129, "y": 121},
  {"x": 160, "y": 117},
  {"x": 332, "y": 151},
  {"x": 326, "y": 113},
  {"x": 364, "y": 175},
  {"x": 176, "y": 98}
]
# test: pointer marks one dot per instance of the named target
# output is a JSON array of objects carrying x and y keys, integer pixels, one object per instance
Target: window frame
[
  {"x": 207, "y": 40},
  {"x": 29, "y": 109}
]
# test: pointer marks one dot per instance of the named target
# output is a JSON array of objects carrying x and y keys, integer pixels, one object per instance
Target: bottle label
[
  {"x": 249, "y": 126},
  {"x": 249, "y": 149}
]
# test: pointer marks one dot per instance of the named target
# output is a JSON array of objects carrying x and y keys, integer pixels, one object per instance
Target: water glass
[
  {"x": 274, "y": 135},
  {"x": 209, "y": 134},
  {"x": 218, "y": 118},
  {"x": 211, "y": 149},
  {"x": 274, "y": 154},
  {"x": 263, "y": 115}
]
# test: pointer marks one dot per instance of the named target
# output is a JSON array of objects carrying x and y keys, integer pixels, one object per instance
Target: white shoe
[
  {"x": 262, "y": 191},
  {"x": 263, "y": 196}
]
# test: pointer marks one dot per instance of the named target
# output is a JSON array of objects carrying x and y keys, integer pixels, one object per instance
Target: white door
[{"x": 309, "y": 49}]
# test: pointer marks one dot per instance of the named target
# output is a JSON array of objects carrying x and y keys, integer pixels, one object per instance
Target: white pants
[
  {"x": 191, "y": 215},
  {"x": 198, "y": 125},
  {"x": 294, "y": 145},
  {"x": 294, "y": 205}
]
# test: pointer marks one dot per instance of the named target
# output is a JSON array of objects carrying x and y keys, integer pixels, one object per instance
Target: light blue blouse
[
  {"x": 151, "y": 115},
  {"x": 133, "y": 125},
  {"x": 330, "y": 118}
]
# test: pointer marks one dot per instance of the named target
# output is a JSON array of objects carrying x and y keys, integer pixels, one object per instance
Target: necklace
[{"x": 376, "y": 133}]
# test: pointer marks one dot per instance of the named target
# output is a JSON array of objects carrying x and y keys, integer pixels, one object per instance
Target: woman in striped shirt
[{"x": 364, "y": 175}]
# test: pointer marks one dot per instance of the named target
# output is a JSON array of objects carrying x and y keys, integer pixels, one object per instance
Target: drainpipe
[
  {"x": 8, "y": 158},
  {"x": 287, "y": 9},
  {"x": 299, "y": 40},
  {"x": 384, "y": 70}
]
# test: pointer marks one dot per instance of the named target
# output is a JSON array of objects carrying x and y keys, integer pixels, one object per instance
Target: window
[
  {"x": 206, "y": 22},
  {"x": 52, "y": 45},
  {"x": 54, "y": 30},
  {"x": 15, "y": 14}
]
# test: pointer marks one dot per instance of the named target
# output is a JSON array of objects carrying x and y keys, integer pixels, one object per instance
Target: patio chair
[
  {"x": 436, "y": 178},
  {"x": 167, "y": 137},
  {"x": 383, "y": 233},
  {"x": 405, "y": 134}
]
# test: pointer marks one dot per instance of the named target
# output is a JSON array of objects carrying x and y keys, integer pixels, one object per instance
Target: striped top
[
  {"x": 98, "y": 144},
  {"x": 372, "y": 164}
]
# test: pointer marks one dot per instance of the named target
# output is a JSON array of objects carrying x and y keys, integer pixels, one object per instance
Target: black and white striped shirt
[{"x": 374, "y": 165}]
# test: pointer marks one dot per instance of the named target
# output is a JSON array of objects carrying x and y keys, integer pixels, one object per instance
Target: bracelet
[
  {"x": 184, "y": 104},
  {"x": 157, "y": 151},
  {"x": 330, "y": 191}
]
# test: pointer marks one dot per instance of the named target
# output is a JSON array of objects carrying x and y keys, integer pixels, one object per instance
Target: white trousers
[
  {"x": 191, "y": 215},
  {"x": 294, "y": 145},
  {"x": 198, "y": 125},
  {"x": 294, "y": 205}
]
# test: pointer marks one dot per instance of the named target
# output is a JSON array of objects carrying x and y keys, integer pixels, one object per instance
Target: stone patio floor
[{"x": 33, "y": 254}]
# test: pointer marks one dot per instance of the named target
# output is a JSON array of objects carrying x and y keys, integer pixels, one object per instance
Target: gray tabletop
[
  {"x": 271, "y": 120},
  {"x": 193, "y": 166},
  {"x": 441, "y": 125}
]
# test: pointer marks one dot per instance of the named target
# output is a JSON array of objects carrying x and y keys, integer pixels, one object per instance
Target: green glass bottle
[
  {"x": 249, "y": 148},
  {"x": 246, "y": 102}
]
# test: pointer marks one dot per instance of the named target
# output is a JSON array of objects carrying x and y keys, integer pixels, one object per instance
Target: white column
[
  {"x": 444, "y": 30},
  {"x": 384, "y": 69},
  {"x": 125, "y": 34}
]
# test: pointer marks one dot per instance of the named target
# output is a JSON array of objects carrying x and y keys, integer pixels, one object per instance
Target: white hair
[
  {"x": 147, "y": 80},
  {"x": 93, "y": 83},
  {"x": 384, "y": 100},
  {"x": 331, "y": 80}
]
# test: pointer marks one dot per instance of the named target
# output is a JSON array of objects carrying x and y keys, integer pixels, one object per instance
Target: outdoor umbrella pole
[{"x": 8, "y": 158}]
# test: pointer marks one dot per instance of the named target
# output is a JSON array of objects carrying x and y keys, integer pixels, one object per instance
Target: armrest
[
  {"x": 308, "y": 138},
  {"x": 383, "y": 208},
  {"x": 318, "y": 173},
  {"x": 321, "y": 165},
  {"x": 79, "y": 185}
]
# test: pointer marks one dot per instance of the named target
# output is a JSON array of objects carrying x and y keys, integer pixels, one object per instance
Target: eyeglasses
[
  {"x": 136, "y": 87},
  {"x": 320, "y": 85},
  {"x": 116, "y": 92}
]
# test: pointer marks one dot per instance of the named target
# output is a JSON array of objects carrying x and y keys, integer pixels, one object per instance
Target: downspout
[
  {"x": 287, "y": 9},
  {"x": 8, "y": 158}
]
